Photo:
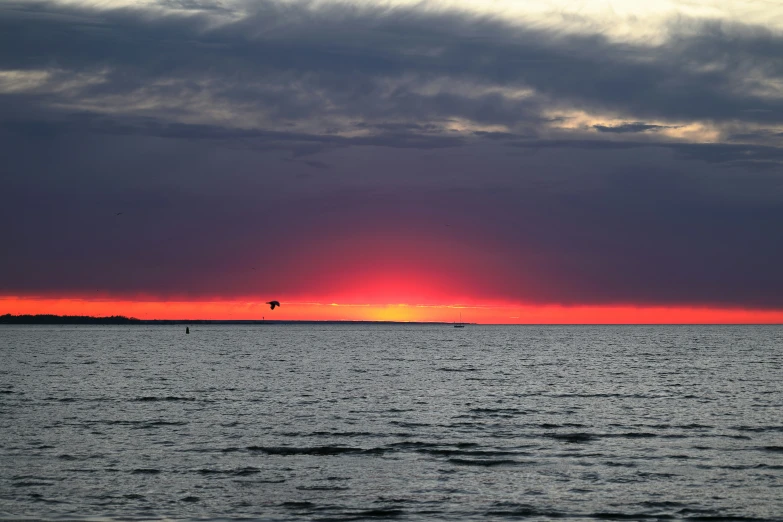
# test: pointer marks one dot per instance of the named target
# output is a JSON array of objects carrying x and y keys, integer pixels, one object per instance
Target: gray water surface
[{"x": 406, "y": 422}]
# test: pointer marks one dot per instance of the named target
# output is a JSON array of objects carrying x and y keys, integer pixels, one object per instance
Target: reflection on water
[{"x": 335, "y": 422}]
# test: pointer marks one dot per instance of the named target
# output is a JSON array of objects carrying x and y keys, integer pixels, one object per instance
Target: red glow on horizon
[{"x": 496, "y": 313}]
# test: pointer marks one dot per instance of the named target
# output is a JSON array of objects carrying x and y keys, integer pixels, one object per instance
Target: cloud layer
[{"x": 384, "y": 152}]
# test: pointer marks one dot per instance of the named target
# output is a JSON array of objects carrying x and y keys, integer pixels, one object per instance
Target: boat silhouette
[{"x": 460, "y": 324}]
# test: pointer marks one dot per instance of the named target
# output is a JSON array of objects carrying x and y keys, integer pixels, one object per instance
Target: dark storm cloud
[
  {"x": 624, "y": 128},
  {"x": 717, "y": 153},
  {"x": 296, "y": 62},
  {"x": 87, "y": 123},
  {"x": 212, "y": 133},
  {"x": 720, "y": 153}
]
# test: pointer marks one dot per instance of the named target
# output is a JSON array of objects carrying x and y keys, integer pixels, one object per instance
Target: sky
[{"x": 514, "y": 162}]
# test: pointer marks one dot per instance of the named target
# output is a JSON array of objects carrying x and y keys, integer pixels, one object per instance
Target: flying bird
[
  {"x": 272, "y": 304},
  {"x": 118, "y": 214}
]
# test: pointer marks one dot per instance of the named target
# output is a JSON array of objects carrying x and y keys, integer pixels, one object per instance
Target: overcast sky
[{"x": 590, "y": 153}]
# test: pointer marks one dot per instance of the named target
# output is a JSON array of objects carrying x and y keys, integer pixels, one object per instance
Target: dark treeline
[
  {"x": 66, "y": 319},
  {"x": 122, "y": 320}
]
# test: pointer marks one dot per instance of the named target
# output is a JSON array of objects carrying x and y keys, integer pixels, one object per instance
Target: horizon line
[{"x": 121, "y": 320}]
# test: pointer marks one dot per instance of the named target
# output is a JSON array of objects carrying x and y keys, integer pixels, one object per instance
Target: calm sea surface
[{"x": 405, "y": 422}]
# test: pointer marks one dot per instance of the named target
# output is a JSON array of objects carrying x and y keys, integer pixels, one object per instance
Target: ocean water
[{"x": 406, "y": 422}]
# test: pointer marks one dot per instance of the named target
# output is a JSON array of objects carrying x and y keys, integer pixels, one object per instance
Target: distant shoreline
[
  {"x": 122, "y": 320},
  {"x": 64, "y": 320}
]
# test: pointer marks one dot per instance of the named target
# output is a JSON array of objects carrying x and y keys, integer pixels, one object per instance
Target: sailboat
[{"x": 460, "y": 324}]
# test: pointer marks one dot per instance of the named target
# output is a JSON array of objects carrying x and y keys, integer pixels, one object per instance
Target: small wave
[
  {"x": 260, "y": 481},
  {"x": 240, "y": 472},
  {"x": 468, "y": 453},
  {"x": 712, "y": 515},
  {"x": 549, "y": 426},
  {"x": 322, "y": 488},
  {"x": 298, "y": 505},
  {"x": 695, "y": 427},
  {"x": 629, "y": 516},
  {"x": 662, "y": 504},
  {"x": 759, "y": 429},
  {"x": 477, "y": 413},
  {"x": 573, "y": 438},
  {"x": 68, "y": 457},
  {"x": 741, "y": 467},
  {"x": 155, "y": 424},
  {"x": 633, "y": 435},
  {"x": 190, "y": 498},
  {"x": 394, "y": 500},
  {"x": 521, "y": 510},
  {"x": 140, "y": 424},
  {"x": 211, "y": 449},
  {"x": 366, "y": 514},
  {"x": 343, "y": 434},
  {"x": 724, "y": 518},
  {"x": 414, "y": 445},
  {"x": 603, "y": 396},
  {"x": 613, "y": 464},
  {"x": 145, "y": 471},
  {"x": 484, "y": 462},
  {"x": 170, "y": 398},
  {"x": 772, "y": 449},
  {"x": 404, "y": 424},
  {"x": 37, "y": 497},
  {"x": 496, "y": 410},
  {"x": 314, "y": 450}
]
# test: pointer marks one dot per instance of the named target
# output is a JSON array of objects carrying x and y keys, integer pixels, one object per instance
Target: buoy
[{"x": 187, "y": 329}]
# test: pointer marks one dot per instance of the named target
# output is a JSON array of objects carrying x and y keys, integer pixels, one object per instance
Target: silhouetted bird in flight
[
  {"x": 118, "y": 214},
  {"x": 272, "y": 304}
]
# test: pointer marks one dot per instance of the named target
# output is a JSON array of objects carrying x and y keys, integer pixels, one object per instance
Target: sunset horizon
[{"x": 311, "y": 310}]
